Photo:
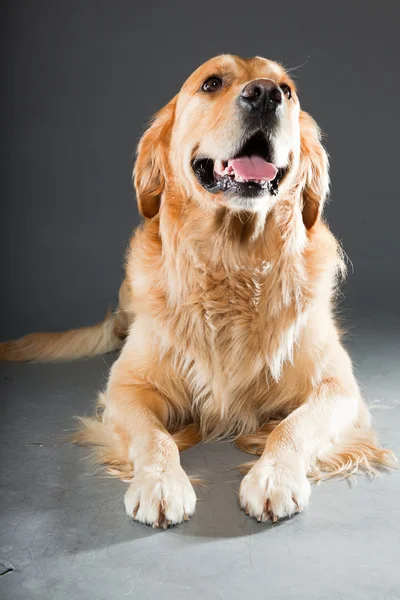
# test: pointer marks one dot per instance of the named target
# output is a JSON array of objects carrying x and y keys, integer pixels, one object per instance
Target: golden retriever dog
[{"x": 227, "y": 306}]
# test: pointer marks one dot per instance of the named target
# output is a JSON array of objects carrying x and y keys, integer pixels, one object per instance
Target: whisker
[{"x": 291, "y": 69}]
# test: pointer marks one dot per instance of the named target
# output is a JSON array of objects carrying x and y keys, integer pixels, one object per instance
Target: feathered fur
[{"x": 231, "y": 323}]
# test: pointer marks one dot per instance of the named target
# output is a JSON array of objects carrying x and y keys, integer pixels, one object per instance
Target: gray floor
[{"x": 63, "y": 531}]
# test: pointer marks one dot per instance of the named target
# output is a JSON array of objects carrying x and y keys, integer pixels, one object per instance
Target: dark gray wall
[{"x": 81, "y": 79}]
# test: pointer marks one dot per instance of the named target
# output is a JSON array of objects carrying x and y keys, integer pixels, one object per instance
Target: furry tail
[
  {"x": 67, "y": 345},
  {"x": 106, "y": 336}
]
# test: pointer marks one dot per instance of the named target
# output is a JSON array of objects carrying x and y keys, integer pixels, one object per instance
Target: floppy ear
[
  {"x": 150, "y": 172},
  {"x": 314, "y": 170}
]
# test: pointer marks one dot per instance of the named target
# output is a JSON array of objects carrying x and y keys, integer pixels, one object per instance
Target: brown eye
[
  {"x": 286, "y": 90},
  {"x": 212, "y": 84}
]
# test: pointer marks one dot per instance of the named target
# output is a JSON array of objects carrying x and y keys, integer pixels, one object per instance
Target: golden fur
[{"x": 228, "y": 312}]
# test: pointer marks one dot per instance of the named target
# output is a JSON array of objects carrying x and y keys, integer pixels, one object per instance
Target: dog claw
[
  {"x": 296, "y": 504},
  {"x": 135, "y": 510},
  {"x": 162, "y": 523}
]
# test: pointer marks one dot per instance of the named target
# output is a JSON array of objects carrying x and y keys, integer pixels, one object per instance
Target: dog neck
[{"x": 228, "y": 240}]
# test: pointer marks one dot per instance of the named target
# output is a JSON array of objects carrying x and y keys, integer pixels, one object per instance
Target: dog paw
[
  {"x": 160, "y": 497},
  {"x": 275, "y": 489}
]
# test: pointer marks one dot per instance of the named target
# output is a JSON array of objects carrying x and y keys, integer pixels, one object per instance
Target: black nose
[{"x": 261, "y": 95}]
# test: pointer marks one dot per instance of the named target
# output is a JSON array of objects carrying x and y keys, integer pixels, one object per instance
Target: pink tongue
[{"x": 253, "y": 168}]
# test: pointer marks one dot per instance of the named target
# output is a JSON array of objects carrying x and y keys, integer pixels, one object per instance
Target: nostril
[
  {"x": 276, "y": 95},
  {"x": 252, "y": 91}
]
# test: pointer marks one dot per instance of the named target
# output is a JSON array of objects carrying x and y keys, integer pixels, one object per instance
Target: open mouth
[{"x": 249, "y": 173}]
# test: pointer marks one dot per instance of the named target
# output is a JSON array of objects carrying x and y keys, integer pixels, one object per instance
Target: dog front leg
[
  {"x": 277, "y": 485},
  {"x": 160, "y": 493}
]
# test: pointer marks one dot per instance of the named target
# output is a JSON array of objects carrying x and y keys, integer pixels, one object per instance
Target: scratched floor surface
[{"x": 63, "y": 532}]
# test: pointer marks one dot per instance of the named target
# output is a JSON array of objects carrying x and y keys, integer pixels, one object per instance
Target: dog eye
[
  {"x": 286, "y": 90},
  {"x": 212, "y": 84}
]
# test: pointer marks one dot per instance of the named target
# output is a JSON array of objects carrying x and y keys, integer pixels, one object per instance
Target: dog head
[{"x": 234, "y": 136}]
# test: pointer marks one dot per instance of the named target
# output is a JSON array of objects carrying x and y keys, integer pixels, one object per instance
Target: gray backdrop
[{"x": 81, "y": 78}]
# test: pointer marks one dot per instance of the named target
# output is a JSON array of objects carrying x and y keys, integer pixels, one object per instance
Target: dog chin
[{"x": 260, "y": 203}]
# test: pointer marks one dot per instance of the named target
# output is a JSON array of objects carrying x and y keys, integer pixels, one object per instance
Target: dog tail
[{"x": 85, "y": 342}]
